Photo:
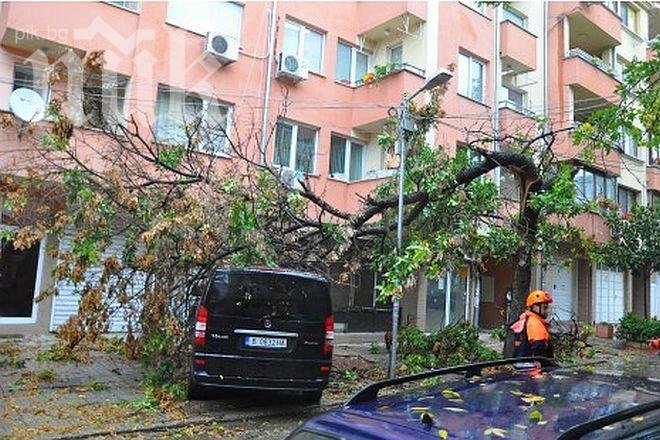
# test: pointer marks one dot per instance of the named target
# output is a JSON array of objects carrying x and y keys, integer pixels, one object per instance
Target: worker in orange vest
[{"x": 531, "y": 329}]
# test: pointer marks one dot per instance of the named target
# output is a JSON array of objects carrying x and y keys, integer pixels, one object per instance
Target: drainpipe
[
  {"x": 269, "y": 73},
  {"x": 468, "y": 294},
  {"x": 545, "y": 63},
  {"x": 497, "y": 80}
]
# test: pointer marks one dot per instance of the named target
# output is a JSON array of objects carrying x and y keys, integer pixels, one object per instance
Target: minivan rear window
[{"x": 277, "y": 295}]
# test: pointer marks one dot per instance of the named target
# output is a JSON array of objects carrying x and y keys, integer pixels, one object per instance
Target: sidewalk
[{"x": 58, "y": 400}]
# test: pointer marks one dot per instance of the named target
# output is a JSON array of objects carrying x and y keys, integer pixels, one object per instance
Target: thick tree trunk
[
  {"x": 522, "y": 278},
  {"x": 522, "y": 270}
]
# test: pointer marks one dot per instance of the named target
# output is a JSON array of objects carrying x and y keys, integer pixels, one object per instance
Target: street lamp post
[{"x": 406, "y": 125}]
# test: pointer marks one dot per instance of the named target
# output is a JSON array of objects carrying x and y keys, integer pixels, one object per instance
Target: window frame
[
  {"x": 303, "y": 30},
  {"x": 45, "y": 91},
  {"x": 471, "y": 59},
  {"x": 517, "y": 14},
  {"x": 608, "y": 184},
  {"x": 348, "y": 148},
  {"x": 354, "y": 80},
  {"x": 631, "y": 13},
  {"x": 110, "y": 99},
  {"x": 293, "y": 147},
  {"x": 208, "y": 27},
  {"x": 631, "y": 197},
  {"x": 391, "y": 49},
  {"x": 224, "y": 150}
]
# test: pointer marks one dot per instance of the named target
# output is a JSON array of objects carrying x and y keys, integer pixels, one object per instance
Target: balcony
[
  {"x": 653, "y": 177},
  {"x": 597, "y": 23},
  {"x": 516, "y": 119},
  {"x": 349, "y": 195},
  {"x": 593, "y": 226},
  {"x": 517, "y": 48},
  {"x": 378, "y": 20},
  {"x": 93, "y": 27},
  {"x": 375, "y": 98},
  {"x": 590, "y": 73}
]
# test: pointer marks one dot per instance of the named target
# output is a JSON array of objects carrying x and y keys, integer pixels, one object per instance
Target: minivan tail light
[
  {"x": 329, "y": 334},
  {"x": 200, "y": 326}
]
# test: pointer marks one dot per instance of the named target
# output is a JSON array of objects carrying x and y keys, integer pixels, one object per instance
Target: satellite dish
[{"x": 27, "y": 105}]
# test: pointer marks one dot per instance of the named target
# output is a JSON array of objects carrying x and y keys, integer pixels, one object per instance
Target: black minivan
[{"x": 264, "y": 329}]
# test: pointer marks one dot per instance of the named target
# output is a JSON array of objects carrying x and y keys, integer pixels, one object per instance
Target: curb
[{"x": 195, "y": 421}]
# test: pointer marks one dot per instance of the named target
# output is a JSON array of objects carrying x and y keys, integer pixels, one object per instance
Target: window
[
  {"x": 516, "y": 98},
  {"x": 295, "y": 147},
  {"x": 104, "y": 99},
  {"x": 629, "y": 16},
  {"x": 592, "y": 185},
  {"x": 654, "y": 155},
  {"x": 352, "y": 64},
  {"x": 18, "y": 282},
  {"x": 476, "y": 5},
  {"x": 202, "y": 17},
  {"x": 627, "y": 199},
  {"x": 395, "y": 54},
  {"x": 133, "y": 6},
  {"x": 183, "y": 116},
  {"x": 653, "y": 198},
  {"x": 26, "y": 76},
  {"x": 471, "y": 77},
  {"x": 471, "y": 157},
  {"x": 629, "y": 145},
  {"x": 514, "y": 16},
  {"x": 305, "y": 43},
  {"x": 347, "y": 159}
]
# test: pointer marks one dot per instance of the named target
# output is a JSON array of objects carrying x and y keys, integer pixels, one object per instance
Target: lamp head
[{"x": 440, "y": 77}]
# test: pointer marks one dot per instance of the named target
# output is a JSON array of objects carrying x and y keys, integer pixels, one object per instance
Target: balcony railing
[
  {"x": 594, "y": 61},
  {"x": 512, "y": 105}
]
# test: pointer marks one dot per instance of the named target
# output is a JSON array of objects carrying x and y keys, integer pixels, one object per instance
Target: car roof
[{"x": 521, "y": 404}]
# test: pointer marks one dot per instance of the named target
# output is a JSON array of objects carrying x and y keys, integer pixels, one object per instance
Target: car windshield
[{"x": 277, "y": 295}]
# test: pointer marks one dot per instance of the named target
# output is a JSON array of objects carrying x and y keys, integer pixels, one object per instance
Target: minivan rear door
[{"x": 259, "y": 317}]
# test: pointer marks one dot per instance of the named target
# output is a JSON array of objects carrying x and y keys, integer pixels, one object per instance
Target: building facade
[{"x": 301, "y": 71}]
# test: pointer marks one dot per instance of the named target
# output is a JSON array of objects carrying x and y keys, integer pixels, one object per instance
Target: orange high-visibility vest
[{"x": 537, "y": 327}]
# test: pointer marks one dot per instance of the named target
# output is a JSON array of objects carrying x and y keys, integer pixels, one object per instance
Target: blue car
[{"x": 534, "y": 400}]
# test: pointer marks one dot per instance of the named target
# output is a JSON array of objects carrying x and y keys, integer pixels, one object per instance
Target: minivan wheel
[{"x": 311, "y": 396}]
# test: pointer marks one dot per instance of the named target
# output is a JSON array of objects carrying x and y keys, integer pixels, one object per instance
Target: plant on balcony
[{"x": 380, "y": 72}]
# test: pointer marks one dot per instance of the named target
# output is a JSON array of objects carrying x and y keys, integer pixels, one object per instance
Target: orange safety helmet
[{"x": 538, "y": 296}]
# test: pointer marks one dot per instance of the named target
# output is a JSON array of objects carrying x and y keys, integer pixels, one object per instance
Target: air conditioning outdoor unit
[
  {"x": 222, "y": 47},
  {"x": 291, "y": 66}
]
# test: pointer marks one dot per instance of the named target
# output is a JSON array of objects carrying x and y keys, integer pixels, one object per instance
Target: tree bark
[{"x": 522, "y": 271}]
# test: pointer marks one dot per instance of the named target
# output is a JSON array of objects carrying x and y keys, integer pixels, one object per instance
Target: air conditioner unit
[
  {"x": 291, "y": 178},
  {"x": 222, "y": 47},
  {"x": 291, "y": 66}
]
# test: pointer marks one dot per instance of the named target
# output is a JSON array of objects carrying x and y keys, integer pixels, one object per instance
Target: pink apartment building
[{"x": 165, "y": 61}]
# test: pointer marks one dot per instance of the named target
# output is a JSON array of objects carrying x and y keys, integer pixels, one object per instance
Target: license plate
[{"x": 263, "y": 342}]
